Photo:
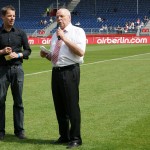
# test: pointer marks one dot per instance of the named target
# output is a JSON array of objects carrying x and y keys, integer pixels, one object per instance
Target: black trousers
[
  {"x": 65, "y": 90},
  {"x": 13, "y": 76}
]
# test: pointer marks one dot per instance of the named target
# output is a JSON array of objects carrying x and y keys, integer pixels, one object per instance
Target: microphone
[
  {"x": 59, "y": 38},
  {"x": 58, "y": 27}
]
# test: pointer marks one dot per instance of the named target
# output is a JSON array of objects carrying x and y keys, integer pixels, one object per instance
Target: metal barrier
[{"x": 40, "y": 33}]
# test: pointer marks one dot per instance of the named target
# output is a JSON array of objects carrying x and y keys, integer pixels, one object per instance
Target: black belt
[
  {"x": 10, "y": 66},
  {"x": 65, "y": 67}
]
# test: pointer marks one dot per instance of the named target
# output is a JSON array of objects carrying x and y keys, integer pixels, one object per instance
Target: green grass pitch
[{"x": 114, "y": 101}]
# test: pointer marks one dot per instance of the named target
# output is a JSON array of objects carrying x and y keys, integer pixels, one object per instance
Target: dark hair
[{"x": 4, "y": 9}]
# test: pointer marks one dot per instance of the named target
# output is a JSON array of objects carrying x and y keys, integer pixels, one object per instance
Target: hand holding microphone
[
  {"x": 60, "y": 33},
  {"x": 57, "y": 34}
]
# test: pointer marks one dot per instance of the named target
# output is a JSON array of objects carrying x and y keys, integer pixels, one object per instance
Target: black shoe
[
  {"x": 74, "y": 144},
  {"x": 20, "y": 136},
  {"x": 61, "y": 141},
  {"x": 2, "y": 136}
]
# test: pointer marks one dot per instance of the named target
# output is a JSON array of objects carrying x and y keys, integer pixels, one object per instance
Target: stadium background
[
  {"x": 114, "y": 15},
  {"x": 114, "y": 87}
]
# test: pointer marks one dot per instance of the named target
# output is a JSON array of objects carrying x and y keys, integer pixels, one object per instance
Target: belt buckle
[
  {"x": 58, "y": 68},
  {"x": 12, "y": 67}
]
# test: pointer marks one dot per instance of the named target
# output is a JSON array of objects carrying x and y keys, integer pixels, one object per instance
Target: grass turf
[{"x": 114, "y": 101}]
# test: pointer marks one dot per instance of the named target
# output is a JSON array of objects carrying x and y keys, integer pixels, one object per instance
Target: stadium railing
[{"x": 37, "y": 32}]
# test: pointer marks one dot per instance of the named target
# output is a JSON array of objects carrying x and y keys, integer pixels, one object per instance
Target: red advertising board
[
  {"x": 145, "y": 30},
  {"x": 92, "y": 39}
]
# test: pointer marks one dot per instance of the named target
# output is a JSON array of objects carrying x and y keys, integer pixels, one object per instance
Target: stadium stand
[
  {"x": 114, "y": 13},
  {"x": 30, "y": 14}
]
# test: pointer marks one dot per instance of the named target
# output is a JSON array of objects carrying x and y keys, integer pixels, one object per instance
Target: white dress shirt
[{"x": 67, "y": 57}]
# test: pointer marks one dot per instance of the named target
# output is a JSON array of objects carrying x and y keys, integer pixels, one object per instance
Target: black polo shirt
[{"x": 18, "y": 41}]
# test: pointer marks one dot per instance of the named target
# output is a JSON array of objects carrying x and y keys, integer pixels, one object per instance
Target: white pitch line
[
  {"x": 138, "y": 59},
  {"x": 91, "y": 63},
  {"x": 114, "y": 59},
  {"x": 37, "y": 73}
]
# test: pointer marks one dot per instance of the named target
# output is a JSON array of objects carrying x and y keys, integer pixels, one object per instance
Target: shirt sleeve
[
  {"x": 80, "y": 38},
  {"x": 26, "y": 47}
]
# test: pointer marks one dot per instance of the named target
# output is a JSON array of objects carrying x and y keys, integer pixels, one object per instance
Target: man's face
[
  {"x": 63, "y": 18},
  {"x": 9, "y": 18}
]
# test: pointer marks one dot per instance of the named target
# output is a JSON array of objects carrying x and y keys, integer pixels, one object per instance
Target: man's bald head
[{"x": 63, "y": 17}]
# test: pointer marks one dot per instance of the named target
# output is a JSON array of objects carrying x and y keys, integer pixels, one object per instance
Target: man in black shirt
[{"x": 14, "y": 48}]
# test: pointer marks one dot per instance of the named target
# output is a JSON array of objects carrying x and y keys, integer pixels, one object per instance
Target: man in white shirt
[{"x": 67, "y": 51}]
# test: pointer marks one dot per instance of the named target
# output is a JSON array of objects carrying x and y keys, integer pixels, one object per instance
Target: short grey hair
[{"x": 66, "y": 11}]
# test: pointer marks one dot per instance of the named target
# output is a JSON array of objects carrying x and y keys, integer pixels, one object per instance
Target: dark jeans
[
  {"x": 65, "y": 90},
  {"x": 13, "y": 76}
]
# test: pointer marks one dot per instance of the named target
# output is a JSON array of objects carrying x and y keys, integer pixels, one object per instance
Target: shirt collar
[
  {"x": 68, "y": 28},
  {"x": 12, "y": 29}
]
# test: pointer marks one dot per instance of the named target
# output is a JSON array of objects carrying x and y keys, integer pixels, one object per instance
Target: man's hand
[
  {"x": 13, "y": 55},
  {"x": 43, "y": 53},
  {"x": 7, "y": 50}
]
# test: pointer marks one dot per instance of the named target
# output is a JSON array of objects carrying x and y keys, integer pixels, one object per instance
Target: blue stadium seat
[{"x": 115, "y": 12}]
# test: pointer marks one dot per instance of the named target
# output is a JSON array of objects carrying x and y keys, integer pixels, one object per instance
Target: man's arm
[
  {"x": 26, "y": 48},
  {"x": 72, "y": 46}
]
